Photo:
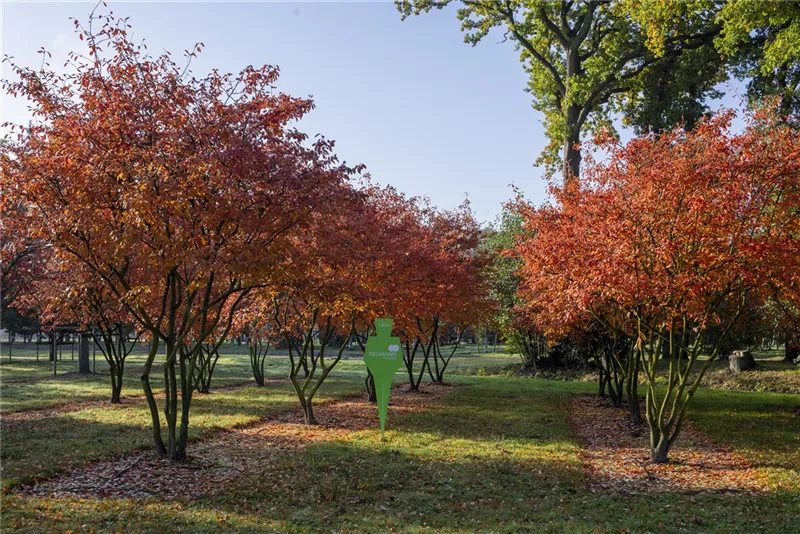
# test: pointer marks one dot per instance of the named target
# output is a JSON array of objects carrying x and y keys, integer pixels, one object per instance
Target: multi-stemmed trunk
[
  {"x": 207, "y": 362},
  {"x": 666, "y": 411},
  {"x": 112, "y": 339},
  {"x": 186, "y": 321},
  {"x": 311, "y": 360},
  {"x": 619, "y": 361},
  {"x": 440, "y": 362},
  {"x": 258, "y": 355}
]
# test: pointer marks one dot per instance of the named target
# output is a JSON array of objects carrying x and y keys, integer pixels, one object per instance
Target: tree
[
  {"x": 178, "y": 194},
  {"x": 502, "y": 272},
  {"x": 440, "y": 288},
  {"x": 254, "y": 323},
  {"x": 762, "y": 40},
  {"x": 672, "y": 233},
  {"x": 66, "y": 293},
  {"x": 325, "y": 290},
  {"x": 583, "y": 56}
]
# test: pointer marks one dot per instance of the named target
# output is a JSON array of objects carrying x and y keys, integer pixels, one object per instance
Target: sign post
[{"x": 383, "y": 358}]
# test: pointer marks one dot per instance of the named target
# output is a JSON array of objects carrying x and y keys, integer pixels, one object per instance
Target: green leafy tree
[
  {"x": 497, "y": 240},
  {"x": 762, "y": 40},
  {"x": 586, "y": 58}
]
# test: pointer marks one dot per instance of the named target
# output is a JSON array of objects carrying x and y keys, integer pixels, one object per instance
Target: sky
[{"x": 425, "y": 112}]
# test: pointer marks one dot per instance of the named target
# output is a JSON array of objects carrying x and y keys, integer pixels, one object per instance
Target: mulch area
[
  {"x": 616, "y": 456},
  {"x": 214, "y": 462}
]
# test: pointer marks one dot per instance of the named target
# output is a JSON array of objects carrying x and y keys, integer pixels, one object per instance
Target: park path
[
  {"x": 216, "y": 461},
  {"x": 616, "y": 456}
]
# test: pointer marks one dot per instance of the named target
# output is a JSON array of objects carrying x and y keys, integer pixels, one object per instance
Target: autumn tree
[
  {"x": 254, "y": 322},
  {"x": 65, "y": 293},
  {"x": 445, "y": 291},
  {"x": 665, "y": 237},
  {"x": 586, "y": 58},
  {"x": 177, "y": 193},
  {"x": 325, "y": 289},
  {"x": 461, "y": 291}
]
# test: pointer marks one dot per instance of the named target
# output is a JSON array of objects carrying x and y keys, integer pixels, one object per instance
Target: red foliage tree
[
  {"x": 669, "y": 235},
  {"x": 179, "y": 194}
]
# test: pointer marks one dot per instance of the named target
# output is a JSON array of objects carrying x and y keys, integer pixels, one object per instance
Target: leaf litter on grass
[
  {"x": 616, "y": 456},
  {"x": 212, "y": 463}
]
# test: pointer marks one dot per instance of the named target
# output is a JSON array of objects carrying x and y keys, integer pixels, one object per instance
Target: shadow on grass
[
  {"x": 494, "y": 458},
  {"x": 45, "y": 446},
  {"x": 341, "y": 487},
  {"x": 764, "y": 426}
]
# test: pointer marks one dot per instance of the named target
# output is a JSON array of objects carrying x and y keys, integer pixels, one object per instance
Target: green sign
[{"x": 383, "y": 358}]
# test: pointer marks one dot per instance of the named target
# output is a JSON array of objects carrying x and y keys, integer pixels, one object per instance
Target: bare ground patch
[
  {"x": 616, "y": 456},
  {"x": 214, "y": 462}
]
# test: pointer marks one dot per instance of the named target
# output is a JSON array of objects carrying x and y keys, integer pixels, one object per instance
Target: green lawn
[
  {"x": 26, "y": 383},
  {"x": 495, "y": 455}
]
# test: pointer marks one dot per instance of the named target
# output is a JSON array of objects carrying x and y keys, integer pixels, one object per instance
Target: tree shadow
[{"x": 341, "y": 487}]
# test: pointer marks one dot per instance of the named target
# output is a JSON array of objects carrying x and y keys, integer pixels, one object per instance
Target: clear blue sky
[{"x": 424, "y": 111}]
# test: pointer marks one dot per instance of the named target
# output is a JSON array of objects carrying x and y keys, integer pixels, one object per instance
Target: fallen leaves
[
  {"x": 616, "y": 456},
  {"x": 215, "y": 462}
]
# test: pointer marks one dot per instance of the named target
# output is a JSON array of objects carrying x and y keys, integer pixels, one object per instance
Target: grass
[
  {"x": 771, "y": 375},
  {"x": 496, "y": 455},
  {"x": 764, "y": 427},
  {"x": 27, "y": 384}
]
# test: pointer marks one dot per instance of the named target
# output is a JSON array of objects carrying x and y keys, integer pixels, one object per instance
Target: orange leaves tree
[
  {"x": 178, "y": 194},
  {"x": 67, "y": 293},
  {"x": 435, "y": 282},
  {"x": 666, "y": 236},
  {"x": 458, "y": 289}
]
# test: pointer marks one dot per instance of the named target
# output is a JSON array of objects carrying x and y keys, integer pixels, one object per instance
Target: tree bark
[
  {"x": 151, "y": 402},
  {"x": 658, "y": 454},
  {"x": 308, "y": 413},
  {"x": 116, "y": 383},
  {"x": 572, "y": 151},
  {"x": 792, "y": 352}
]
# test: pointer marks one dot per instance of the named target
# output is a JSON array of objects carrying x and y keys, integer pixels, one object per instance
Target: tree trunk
[
  {"x": 601, "y": 390},
  {"x": 116, "y": 393},
  {"x": 792, "y": 352},
  {"x": 572, "y": 153},
  {"x": 658, "y": 454},
  {"x": 116, "y": 383},
  {"x": 151, "y": 402},
  {"x": 632, "y": 388},
  {"x": 370, "y": 382},
  {"x": 308, "y": 413}
]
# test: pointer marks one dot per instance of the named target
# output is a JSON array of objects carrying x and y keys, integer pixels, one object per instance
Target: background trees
[{"x": 584, "y": 56}]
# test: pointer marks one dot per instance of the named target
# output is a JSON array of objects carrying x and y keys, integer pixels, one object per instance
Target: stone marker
[{"x": 741, "y": 360}]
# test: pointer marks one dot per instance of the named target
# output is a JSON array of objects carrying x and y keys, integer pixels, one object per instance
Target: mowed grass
[
  {"x": 764, "y": 427},
  {"x": 496, "y": 455},
  {"x": 27, "y": 384},
  {"x": 54, "y": 442}
]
